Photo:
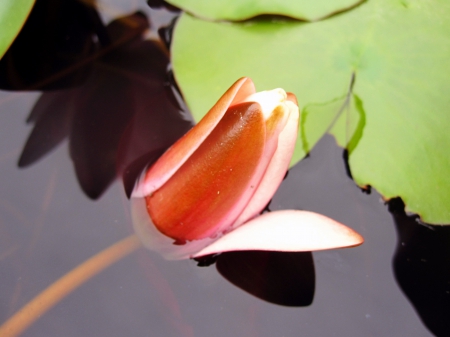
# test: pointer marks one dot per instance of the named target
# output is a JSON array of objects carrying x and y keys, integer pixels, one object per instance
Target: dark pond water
[{"x": 396, "y": 284}]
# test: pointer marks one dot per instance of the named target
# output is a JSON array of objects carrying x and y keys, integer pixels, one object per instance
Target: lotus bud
[{"x": 220, "y": 175}]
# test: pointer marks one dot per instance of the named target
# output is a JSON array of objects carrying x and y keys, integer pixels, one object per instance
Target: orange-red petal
[{"x": 209, "y": 191}]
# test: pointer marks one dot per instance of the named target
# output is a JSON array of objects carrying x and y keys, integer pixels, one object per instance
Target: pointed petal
[
  {"x": 175, "y": 156},
  {"x": 288, "y": 231},
  {"x": 277, "y": 167}
]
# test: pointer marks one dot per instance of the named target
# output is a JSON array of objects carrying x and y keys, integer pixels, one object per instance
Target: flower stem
[{"x": 54, "y": 293}]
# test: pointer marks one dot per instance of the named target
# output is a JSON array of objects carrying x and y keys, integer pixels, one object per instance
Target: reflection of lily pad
[
  {"x": 399, "y": 54},
  {"x": 245, "y": 9},
  {"x": 13, "y": 14}
]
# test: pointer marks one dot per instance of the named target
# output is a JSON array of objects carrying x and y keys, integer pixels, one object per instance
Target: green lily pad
[
  {"x": 343, "y": 117},
  {"x": 13, "y": 14},
  {"x": 399, "y": 55},
  {"x": 236, "y": 10}
]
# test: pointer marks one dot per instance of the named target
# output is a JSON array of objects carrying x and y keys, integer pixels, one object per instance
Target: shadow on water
[
  {"x": 277, "y": 277},
  {"x": 422, "y": 267}
]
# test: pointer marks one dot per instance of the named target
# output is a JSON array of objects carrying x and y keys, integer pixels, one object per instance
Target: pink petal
[
  {"x": 276, "y": 170},
  {"x": 288, "y": 231},
  {"x": 175, "y": 156}
]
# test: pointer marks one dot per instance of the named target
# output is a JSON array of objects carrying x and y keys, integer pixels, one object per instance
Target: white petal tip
[{"x": 268, "y": 100}]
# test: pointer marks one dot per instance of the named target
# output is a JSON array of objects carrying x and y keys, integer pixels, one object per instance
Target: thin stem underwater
[{"x": 69, "y": 282}]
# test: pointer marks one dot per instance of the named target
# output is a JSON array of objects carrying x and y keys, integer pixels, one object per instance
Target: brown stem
[{"x": 57, "y": 291}]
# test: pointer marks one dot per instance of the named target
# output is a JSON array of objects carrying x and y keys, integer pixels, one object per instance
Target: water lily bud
[{"x": 220, "y": 175}]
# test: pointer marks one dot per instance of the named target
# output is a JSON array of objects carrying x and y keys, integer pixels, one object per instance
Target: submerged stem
[{"x": 54, "y": 293}]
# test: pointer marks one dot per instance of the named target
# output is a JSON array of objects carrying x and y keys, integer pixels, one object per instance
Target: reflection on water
[
  {"x": 123, "y": 112},
  {"x": 56, "y": 37},
  {"x": 118, "y": 115}
]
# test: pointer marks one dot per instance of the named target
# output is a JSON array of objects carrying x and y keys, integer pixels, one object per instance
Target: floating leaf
[
  {"x": 13, "y": 14},
  {"x": 399, "y": 55},
  {"x": 244, "y": 9}
]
